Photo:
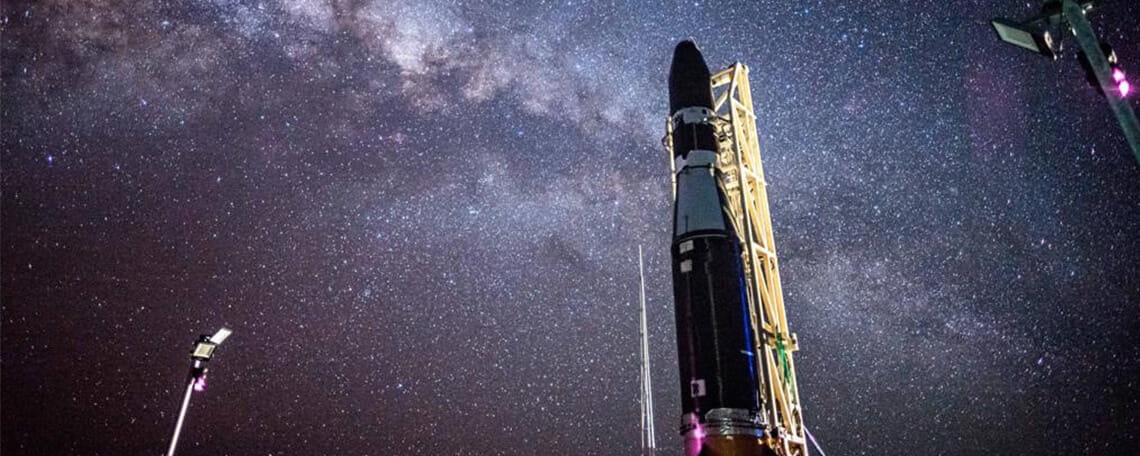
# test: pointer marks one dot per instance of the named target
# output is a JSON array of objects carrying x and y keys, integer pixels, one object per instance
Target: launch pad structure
[{"x": 741, "y": 178}]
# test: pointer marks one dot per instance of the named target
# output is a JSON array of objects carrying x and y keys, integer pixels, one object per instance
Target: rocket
[{"x": 721, "y": 413}]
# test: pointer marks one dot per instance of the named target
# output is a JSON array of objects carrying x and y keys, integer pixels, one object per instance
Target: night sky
[{"x": 421, "y": 219}]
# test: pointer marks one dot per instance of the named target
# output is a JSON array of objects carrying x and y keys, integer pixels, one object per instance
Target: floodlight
[
  {"x": 204, "y": 350},
  {"x": 1096, "y": 57},
  {"x": 206, "y": 344},
  {"x": 196, "y": 380},
  {"x": 1026, "y": 36}
]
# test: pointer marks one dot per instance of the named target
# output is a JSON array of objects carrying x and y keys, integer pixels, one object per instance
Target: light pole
[
  {"x": 196, "y": 381},
  {"x": 1032, "y": 35}
]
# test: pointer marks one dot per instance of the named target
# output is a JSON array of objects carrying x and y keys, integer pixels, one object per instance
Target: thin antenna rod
[
  {"x": 813, "y": 442},
  {"x": 648, "y": 434}
]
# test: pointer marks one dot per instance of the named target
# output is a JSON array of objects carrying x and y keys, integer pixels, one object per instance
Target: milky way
[{"x": 421, "y": 219}]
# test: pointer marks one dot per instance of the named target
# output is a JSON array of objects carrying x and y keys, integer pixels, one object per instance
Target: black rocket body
[{"x": 719, "y": 384}]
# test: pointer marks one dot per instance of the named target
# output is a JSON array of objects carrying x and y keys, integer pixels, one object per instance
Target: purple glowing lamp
[{"x": 1121, "y": 83}]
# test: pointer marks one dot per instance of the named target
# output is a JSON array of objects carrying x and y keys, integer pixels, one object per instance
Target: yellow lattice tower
[{"x": 743, "y": 183}]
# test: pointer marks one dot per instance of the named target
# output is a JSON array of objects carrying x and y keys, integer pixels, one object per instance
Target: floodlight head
[
  {"x": 1026, "y": 36},
  {"x": 220, "y": 336},
  {"x": 203, "y": 350}
]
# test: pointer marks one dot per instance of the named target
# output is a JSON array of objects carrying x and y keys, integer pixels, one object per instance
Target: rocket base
[{"x": 727, "y": 445}]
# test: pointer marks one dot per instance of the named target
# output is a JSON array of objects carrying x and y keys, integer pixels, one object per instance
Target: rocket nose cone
[
  {"x": 688, "y": 78},
  {"x": 687, "y": 53}
]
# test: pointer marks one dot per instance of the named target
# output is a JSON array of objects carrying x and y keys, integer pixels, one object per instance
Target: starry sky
[{"x": 421, "y": 219}]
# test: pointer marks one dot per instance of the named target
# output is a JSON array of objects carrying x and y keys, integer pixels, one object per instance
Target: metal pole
[
  {"x": 181, "y": 415},
  {"x": 648, "y": 435},
  {"x": 1074, "y": 14}
]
